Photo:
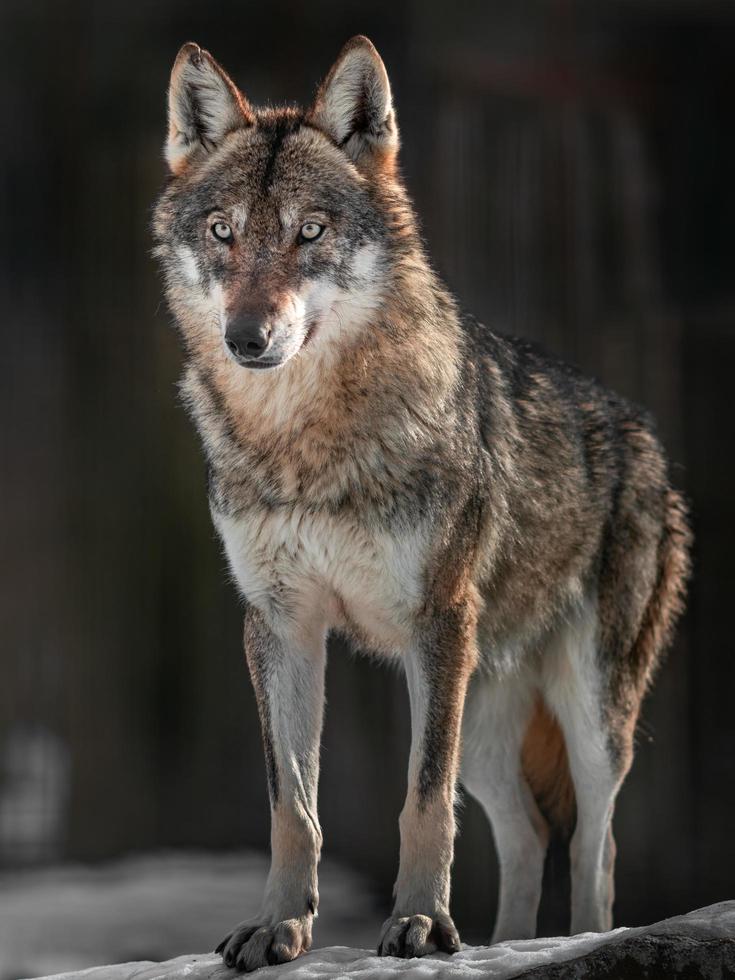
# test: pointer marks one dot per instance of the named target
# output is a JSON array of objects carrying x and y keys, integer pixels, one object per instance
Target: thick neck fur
[{"x": 336, "y": 420}]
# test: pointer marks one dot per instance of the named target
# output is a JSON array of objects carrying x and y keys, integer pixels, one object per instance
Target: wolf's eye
[
  {"x": 310, "y": 231},
  {"x": 221, "y": 231}
]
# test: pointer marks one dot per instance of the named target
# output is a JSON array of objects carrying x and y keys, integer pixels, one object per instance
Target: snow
[
  {"x": 142, "y": 911},
  {"x": 713, "y": 927},
  {"x": 498, "y": 962}
]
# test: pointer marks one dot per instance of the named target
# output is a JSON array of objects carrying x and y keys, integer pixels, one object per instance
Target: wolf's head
[{"x": 279, "y": 226}]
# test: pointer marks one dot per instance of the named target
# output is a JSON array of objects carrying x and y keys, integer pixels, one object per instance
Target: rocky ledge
[{"x": 699, "y": 944}]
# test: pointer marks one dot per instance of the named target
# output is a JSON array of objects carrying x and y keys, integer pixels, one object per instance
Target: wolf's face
[{"x": 273, "y": 232}]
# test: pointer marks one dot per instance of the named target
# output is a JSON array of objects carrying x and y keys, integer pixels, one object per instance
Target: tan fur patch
[{"x": 546, "y": 767}]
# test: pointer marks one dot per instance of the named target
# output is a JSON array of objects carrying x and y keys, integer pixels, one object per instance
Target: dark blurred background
[{"x": 572, "y": 164}]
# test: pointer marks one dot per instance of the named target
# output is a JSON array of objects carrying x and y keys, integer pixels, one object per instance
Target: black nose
[{"x": 247, "y": 338}]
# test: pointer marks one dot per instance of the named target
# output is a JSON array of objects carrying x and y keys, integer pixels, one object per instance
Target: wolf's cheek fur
[
  {"x": 339, "y": 304},
  {"x": 187, "y": 264}
]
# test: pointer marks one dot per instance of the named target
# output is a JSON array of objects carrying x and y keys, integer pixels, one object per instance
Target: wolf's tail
[{"x": 667, "y": 600}]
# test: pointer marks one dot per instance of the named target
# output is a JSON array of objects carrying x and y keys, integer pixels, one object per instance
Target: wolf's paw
[
  {"x": 253, "y": 944},
  {"x": 417, "y": 935}
]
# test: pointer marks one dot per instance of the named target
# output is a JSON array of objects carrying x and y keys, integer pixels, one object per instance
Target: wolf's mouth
[{"x": 260, "y": 365}]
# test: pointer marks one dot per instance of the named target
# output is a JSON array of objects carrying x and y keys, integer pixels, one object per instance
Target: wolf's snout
[{"x": 247, "y": 338}]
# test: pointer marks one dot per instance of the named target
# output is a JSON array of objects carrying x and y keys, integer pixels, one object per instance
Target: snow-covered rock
[{"x": 700, "y": 944}]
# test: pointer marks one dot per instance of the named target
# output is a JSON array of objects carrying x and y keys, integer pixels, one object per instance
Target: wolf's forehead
[{"x": 293, "y": 167}]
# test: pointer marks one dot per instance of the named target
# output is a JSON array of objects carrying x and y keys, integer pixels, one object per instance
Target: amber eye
[
  {"x": 221, "y": 231},
  {"x": 310, "y": 231}
]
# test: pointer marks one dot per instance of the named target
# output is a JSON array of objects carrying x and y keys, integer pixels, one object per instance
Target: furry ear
[
  {"x": 354, "y": 106},
  {"x": 204, "y": 105}
]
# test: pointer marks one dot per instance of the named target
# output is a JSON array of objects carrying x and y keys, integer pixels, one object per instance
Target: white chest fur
[{"x": 303, "y": 567}]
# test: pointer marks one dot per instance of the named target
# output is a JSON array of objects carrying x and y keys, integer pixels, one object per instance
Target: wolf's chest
[{"x": 299, "y": 564}]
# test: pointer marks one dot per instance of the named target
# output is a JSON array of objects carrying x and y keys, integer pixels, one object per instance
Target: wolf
[{"x": 383, "y": 466}]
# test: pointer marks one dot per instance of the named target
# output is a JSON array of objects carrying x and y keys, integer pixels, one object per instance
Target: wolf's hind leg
[
  {"x": 497, "y": 715},
  {"x": 598, "y": 761}
]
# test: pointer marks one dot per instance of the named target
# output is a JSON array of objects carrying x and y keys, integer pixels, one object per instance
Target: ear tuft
[
  {"x": 204, "y": 105},
  {"x": 354, "y": 106}
]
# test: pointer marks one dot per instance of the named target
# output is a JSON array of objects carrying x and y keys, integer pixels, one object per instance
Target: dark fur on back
[{"x": 578, "y": 471}]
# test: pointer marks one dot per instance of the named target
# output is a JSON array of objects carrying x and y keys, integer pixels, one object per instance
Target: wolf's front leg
[
  {"x": 437, "y": 673},
  {"x": 288, "y": 677}
]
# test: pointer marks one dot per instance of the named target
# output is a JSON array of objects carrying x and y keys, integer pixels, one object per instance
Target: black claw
[{"x": 445, "y": 938}]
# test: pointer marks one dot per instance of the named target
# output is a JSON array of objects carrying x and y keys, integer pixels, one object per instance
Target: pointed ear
[
  {"x": 354, "y": 107},
  {"x": 204, "y": 105}
]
